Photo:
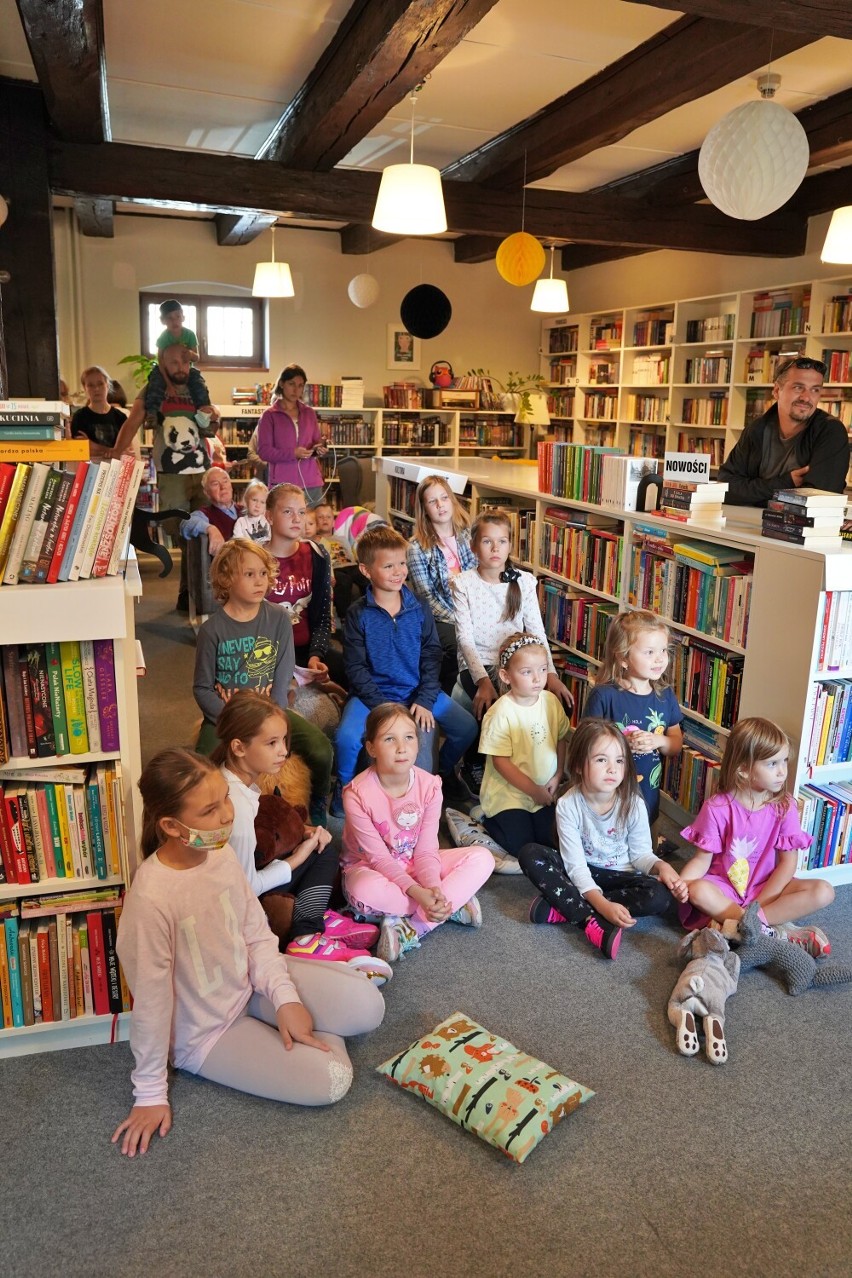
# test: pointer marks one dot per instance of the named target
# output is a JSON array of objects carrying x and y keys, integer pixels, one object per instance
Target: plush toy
[
  {"x": 703, "y": 987},
  {"x": 279, "y": 828},
  {"x": 798, "y": 970},
  {"x": 293, "y": 778}
]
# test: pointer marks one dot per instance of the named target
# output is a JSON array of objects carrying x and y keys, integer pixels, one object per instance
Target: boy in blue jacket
[{"x": 392, "y": 652}]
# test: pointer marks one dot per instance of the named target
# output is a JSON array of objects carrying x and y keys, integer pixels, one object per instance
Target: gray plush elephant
[{"x": 703, "y": 988}]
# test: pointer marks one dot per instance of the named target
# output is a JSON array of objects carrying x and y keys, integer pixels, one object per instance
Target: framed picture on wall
[{"x": 403, "y": 349}]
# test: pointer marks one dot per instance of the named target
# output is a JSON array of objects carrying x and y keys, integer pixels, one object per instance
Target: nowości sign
[{"x": 690, "y": 468}]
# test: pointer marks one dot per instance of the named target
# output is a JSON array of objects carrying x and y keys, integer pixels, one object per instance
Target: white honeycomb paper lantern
[
  {"x": 753, "y": 160},
  {"x": 363, "y": 290}
]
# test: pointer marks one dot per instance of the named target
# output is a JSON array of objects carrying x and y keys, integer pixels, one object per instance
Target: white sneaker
[
  {"x": 469, "y": 915},
  {"x": 396, "y": 937}
]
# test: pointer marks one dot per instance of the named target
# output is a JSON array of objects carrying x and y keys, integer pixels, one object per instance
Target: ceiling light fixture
[
  {"x": 754, "y": 159},
  {"x": 410, "y": 199},
  {"x": 272, "y": 279},
  {"x": 550, "y": 296},
  {"x": 838, "y": 241}
]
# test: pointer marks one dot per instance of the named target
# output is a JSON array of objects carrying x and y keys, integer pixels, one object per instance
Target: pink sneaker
[
  {"x": 605, "y": 936},
  {"x": 342, "y": 927},
  {"x": 542, "y": 912}
]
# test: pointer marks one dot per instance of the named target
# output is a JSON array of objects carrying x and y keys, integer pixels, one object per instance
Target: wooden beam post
[
  {"x": 66, "y": 41},
  {"x": 242, "y": 228},
  {"x": 96, "y": 217},
  {"x": 380, "y": 52},
  {"x": 26, "y": 245},
  {"x": 816, "y": 17}
]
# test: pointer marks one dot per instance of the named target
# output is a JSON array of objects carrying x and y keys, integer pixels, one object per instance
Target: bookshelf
[
  {"x": 66, "y": 611},
  {"x": 689, "y": 375},
  {"x": 751, "y": 653}
]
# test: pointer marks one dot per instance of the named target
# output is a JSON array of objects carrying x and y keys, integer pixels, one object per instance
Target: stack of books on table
[
  {"x": 29, "y": 420},
  {"x": 809, "y": 517},
  {"x": 693, "y": 503}
]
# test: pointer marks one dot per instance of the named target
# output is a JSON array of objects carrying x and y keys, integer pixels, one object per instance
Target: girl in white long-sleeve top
[{"x": 212, "y": 994}]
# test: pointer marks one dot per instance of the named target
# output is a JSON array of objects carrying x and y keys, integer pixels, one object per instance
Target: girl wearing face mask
[{"x": 211, "y": 992}]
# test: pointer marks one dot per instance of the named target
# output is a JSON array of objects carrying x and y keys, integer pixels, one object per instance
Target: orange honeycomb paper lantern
[{"x": 520, "y": 259}]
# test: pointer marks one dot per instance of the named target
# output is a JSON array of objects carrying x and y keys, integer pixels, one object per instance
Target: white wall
[
  {"x": 667, "y": 276},
  {"x": 99, "y": 280}
]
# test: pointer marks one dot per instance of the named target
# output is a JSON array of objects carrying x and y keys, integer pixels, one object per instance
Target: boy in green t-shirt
[
  {"x": 174, "y": 334},
  {"x": 171, "y": 314}
]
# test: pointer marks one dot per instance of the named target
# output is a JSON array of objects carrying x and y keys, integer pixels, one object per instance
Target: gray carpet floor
[{"x": 675, "y": 1166}]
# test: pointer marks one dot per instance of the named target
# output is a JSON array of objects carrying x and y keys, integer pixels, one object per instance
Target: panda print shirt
[{"x": 178, "y": 445}]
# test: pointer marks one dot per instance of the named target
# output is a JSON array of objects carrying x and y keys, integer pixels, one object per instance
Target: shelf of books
[
  {"x": 69, "y": 761},
  {"x": 689, "y": 375},
  {"x": 759, "y": 626}
]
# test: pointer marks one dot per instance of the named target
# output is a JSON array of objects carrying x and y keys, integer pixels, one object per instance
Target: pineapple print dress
[{"x": 744, "y": 846}]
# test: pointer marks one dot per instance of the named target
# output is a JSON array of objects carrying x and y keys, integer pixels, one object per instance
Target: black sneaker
[{"x": 471, "y": 776}]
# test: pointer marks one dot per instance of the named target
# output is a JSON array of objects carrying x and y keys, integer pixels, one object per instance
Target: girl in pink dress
[
  {"x": 748, "y": 838},
  {"x": 393, "y": 869}
]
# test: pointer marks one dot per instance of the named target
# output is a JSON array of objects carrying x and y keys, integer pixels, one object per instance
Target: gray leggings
[{"x": 250, "y": 1056}]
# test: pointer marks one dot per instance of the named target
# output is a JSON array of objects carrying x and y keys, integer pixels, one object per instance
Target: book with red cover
[
  {"x": 67, "y": 522},
  {"x": 7, "y": 474},
  {"x": 97, "y": 954},
  {"x": 12, "y": 812},
  {"x": 113, "y": 984},
  {"x": 7, "y": 856},
  {"x": 106, "y": 691},
  {"x": 113, "y": 517},
  {"x": 43, "y": 950}
]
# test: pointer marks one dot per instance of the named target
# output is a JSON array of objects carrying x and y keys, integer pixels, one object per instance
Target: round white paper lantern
[
  {"x": 753, "y": 160},
  {"x": 363, "y": 290}
]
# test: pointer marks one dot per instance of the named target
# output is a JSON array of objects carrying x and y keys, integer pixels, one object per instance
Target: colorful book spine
[
  {"x": 57, "y": 698},
  {"x": 90, "y": 694},
  {"x": 75, "y": 705},
  {"x": 106, "y": 693}
]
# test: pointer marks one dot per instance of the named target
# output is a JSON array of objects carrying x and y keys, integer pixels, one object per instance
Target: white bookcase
[
  {"x": 97, "y": 609},
  {"x": 703, "y": 381},
  {"x": 787, "y": 595}
]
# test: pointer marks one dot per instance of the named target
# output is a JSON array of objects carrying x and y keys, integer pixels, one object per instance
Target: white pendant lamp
[
  {"x": 272, "y": 279},
  {"x": 410, "y": 199},
  {"x": 550, "y": 296},
  {"x": 838, "y": 241},
  {"x": 754, "y": 159}
]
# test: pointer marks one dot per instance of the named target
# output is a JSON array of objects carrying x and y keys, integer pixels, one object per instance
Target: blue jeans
[{"x": 459, "y": 727}]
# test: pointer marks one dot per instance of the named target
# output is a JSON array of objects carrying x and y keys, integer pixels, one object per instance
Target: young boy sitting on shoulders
[
  {"x": 174, "y": 334},
  {"x": 392, "y": 653},
  {"x": 248, "y": 643}
]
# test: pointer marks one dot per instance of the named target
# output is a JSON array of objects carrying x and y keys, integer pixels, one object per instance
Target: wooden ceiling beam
[
  {"x": 242, "y": 228},
  {"x": 822, "y": 192},
  {"x": 688, "y": 59},
  {"x": 381, "y": 51},
  {"x": 66, "y": 43},
  {"x": 472, "y": 249},
  {"x": 361, "y": 237},
  {"x": 96, "y": 217},
  {"x": 119, "y": 171},
  {"x": 817, "y": 17}
]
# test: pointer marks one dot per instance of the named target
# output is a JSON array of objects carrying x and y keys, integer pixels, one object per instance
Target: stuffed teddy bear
[
  {"x": 797, "y": 968},
  {"x": 293, "y": 778},
  {"x": 703, "y": 987},
  {"x": 279, "y": 828}
]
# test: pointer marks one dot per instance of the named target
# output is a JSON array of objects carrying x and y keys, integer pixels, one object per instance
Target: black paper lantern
[{"x": 425, "y": 311}]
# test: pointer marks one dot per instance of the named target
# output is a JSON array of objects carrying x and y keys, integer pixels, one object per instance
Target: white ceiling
[{"x": 216, "y": 74}]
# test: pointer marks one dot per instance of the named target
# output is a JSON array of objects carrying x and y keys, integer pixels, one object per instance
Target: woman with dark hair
[{"x": 289, "y": 438}]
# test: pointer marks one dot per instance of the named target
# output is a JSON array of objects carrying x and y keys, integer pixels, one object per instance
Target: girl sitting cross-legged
[
  {"x": 605, "y": 872},
  {"x": 393, "y": 868}
]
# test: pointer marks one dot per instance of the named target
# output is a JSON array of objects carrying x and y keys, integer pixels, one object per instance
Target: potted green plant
[
  {"x": 514, "y": 394},
  {"x": 140, "y": 367}
]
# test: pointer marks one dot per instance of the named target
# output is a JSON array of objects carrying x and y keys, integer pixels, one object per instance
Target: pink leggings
[{"x": 463, "y": 872}]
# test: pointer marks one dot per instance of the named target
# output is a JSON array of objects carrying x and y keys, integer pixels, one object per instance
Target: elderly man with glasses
[{"x": 793, "y": 444}]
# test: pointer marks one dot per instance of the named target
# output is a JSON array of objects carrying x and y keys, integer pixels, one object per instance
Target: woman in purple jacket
[{"x": 289, "y": 438}]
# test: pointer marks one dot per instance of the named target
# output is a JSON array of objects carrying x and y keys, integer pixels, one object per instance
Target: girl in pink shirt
[
  {"x": 393, "y": 869},
  {"x": 748, "y": 838},
  {"x": 211, "y": 992}
]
